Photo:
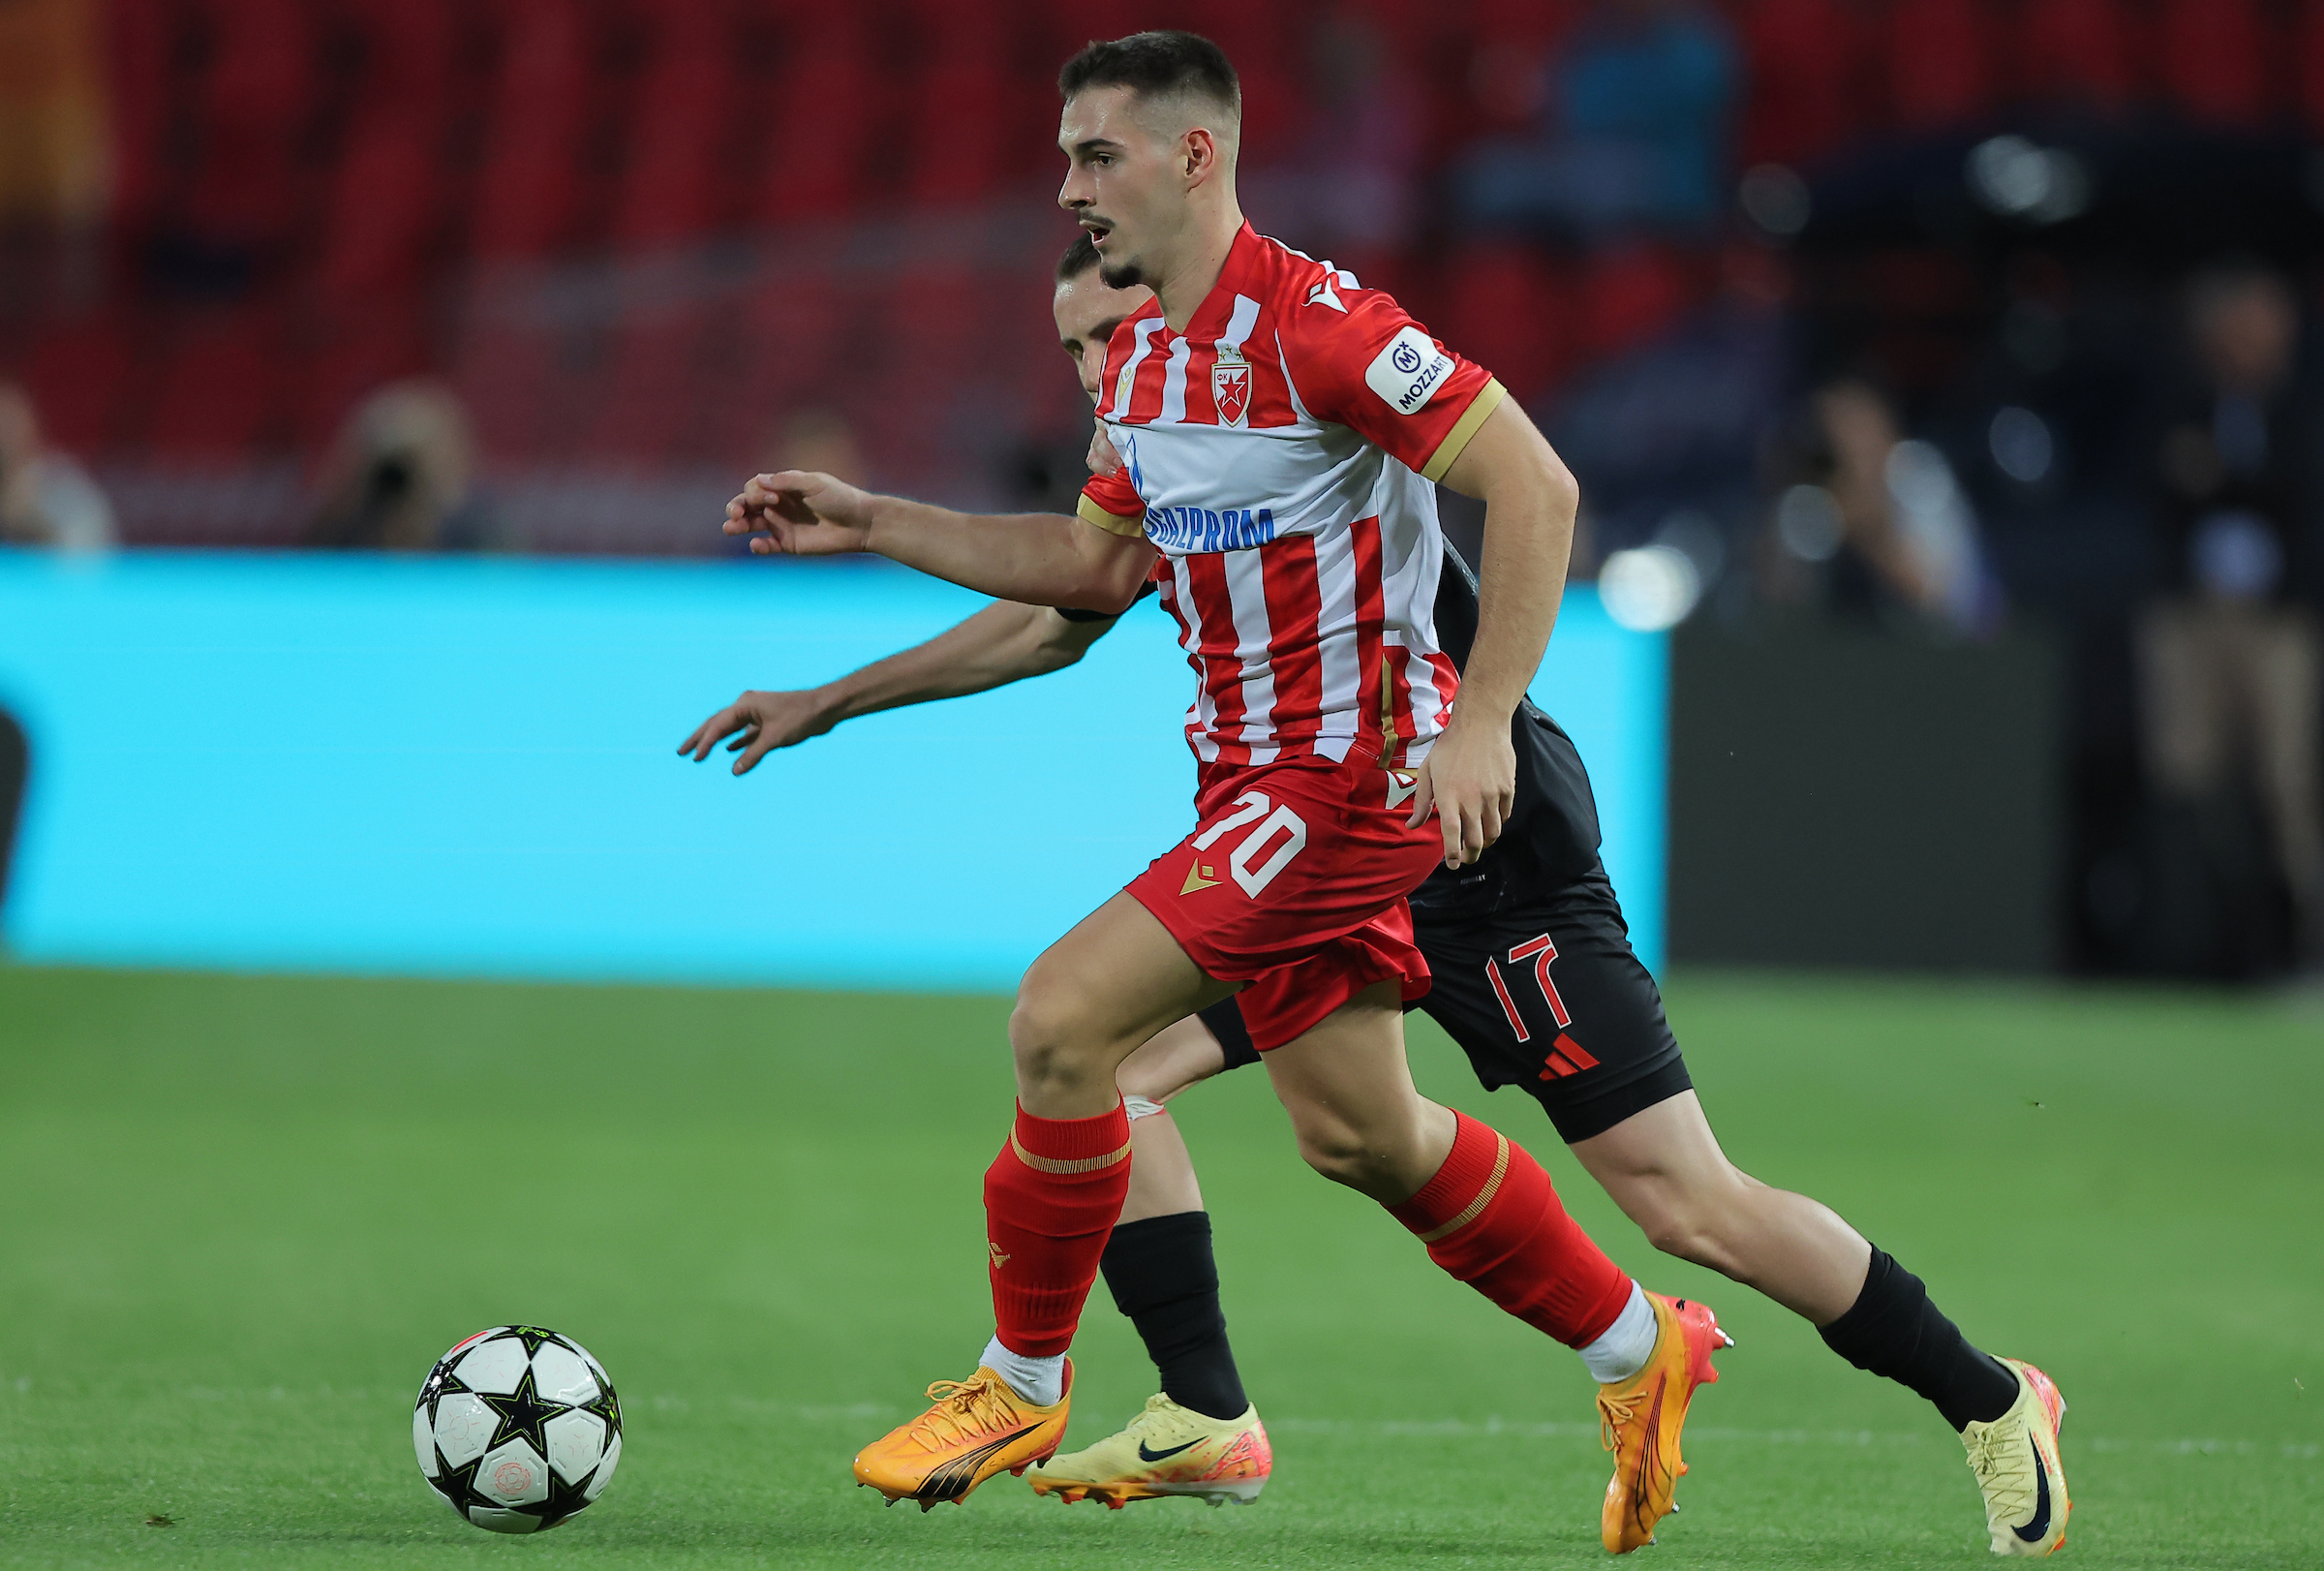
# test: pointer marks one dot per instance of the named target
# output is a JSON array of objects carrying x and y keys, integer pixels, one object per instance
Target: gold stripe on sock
[
  {"x": 1080, "y": 1164},
  {"x": 1484, "y": 1196}
]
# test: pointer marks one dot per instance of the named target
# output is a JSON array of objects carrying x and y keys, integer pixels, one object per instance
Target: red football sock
[
  {"x": 1051, "y": 1197},
  {"x": 1492, "y": 1218}
]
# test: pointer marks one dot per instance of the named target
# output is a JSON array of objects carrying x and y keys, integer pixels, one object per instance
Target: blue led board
[{"x": 468, "y": 767}]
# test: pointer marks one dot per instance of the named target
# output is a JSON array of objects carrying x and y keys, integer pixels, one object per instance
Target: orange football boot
[
  {"x": 977, "y": 1428},
  {"x": 1638, "y": 1419}
]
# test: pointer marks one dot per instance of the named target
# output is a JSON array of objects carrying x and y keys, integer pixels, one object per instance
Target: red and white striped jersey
[{"x": 1281, "y": 454}]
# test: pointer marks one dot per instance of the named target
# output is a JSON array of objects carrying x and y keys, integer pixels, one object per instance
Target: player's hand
[
  {"x": 799, "y": 512},
  {"x": 1103, "y": 459},
  {"x": 1471, "y": 781},
  {"x": 767, "y": 721}
]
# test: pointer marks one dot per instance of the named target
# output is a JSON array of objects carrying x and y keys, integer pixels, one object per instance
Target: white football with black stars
[{"x": 517, "y": 1428}]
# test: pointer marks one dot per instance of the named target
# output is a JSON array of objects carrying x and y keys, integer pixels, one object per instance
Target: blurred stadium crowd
[{"x": 1945, "y": 315}]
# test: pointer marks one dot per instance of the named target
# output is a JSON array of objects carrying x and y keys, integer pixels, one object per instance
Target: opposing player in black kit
[{"x": 1534, "y": 977}]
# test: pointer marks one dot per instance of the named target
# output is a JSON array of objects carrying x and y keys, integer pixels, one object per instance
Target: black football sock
[
  {"x": 1164, "y": 1278},
  {"x": 1893, "y": 1330}
]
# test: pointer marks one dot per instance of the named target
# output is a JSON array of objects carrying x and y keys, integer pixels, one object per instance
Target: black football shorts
[{"x": 1542, "y": 991}]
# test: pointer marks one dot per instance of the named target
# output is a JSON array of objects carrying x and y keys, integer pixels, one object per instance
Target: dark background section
[
  {"x": 1847, "y": 796},
  {"x": 13, "y": 755}
]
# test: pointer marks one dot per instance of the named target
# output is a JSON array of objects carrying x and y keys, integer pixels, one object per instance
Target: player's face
[
  {"x": 1087, "y": 310},
  {"x": 1123, "y": 182}
]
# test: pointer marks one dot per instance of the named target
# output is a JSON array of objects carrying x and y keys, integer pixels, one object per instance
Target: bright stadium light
[
  {"x": 1776, "y": 199},
  {"x": 2016, "y": 178},
  {"x": 2021, "y": 444},
  {"x": 1649, "y": 587},
  {"x": 1807, "y": 521}
]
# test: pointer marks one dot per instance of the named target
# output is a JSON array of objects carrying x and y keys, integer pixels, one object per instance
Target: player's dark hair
[
  {"x": 1156, "y": 64},
  {"x": 1079, "y": 258}
]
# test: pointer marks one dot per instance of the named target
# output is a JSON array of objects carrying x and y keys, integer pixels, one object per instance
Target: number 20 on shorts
[{"x": 1271, "y": 821}]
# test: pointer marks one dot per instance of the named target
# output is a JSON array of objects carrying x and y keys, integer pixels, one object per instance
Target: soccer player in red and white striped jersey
[
  {"x": 1279, "y": 430},
  {"x": 1281, "y": 452}
]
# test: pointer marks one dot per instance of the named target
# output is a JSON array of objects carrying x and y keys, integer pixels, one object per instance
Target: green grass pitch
[{"x": 239, "y": 1218}]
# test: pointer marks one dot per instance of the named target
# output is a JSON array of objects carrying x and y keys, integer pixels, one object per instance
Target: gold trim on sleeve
[
  {"x": 1113, "y": 523},
  {"x": 1480, "y": 409}
]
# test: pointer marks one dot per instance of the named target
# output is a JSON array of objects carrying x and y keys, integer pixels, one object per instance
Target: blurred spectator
[
  {"x": 1885, "y": 511},
  {"x": 1634, "y": 133},
  {"x": 402, "y": 477},
  {"x": 2229, "y": 660},
  {"x": 820, "y": 439},
  {"x": 1348, "y": 187},
  {"x": 45, "y": 497},
  {"x": 1666, "y": 439}
]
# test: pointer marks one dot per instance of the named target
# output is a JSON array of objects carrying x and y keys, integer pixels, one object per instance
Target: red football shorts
[{"x": 1294, "y": 880}]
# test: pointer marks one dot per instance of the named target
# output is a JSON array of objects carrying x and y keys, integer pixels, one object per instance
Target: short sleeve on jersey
[
  {"x": 1372, "y": 368},
  {"x": 1111, "y": 503}
]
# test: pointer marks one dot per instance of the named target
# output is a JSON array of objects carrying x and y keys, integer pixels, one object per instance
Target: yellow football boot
[
  {"x": 1638, "y": 1419},
  {"x": 2015, "y": 1459},
  {"x": 1166, "y": 1450},
  {"x": 977, "y": 1427}
]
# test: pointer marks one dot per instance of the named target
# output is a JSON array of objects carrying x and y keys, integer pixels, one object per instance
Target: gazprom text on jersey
[{"x": 1201, "y": 529}]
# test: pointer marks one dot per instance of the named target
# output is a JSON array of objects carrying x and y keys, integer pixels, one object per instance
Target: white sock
[
  {"x": 1041, "y": 1381},
  {"x": 1624, "y": 1349}
]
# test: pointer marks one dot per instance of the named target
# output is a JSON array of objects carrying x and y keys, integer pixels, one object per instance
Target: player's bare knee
[
  {"x": 1047, "y": 1060},
  {"x": 1053, "y": 1036}
]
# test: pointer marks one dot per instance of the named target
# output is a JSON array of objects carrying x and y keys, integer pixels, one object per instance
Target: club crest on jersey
[{"x": 1230, "y": 388}]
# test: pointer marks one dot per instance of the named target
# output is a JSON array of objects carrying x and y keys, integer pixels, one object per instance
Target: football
[{"x": 517, "y": 1428}]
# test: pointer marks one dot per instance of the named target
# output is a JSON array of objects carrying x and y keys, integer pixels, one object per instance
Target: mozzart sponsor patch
[
  {"x": 1408, "y": 371},
  {"x": 1205, "y": 529}
]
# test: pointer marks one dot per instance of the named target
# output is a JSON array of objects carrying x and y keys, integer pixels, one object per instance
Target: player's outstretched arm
[
  {"x": 1002, "y": 643},
  {"x": 1036, "y": 559},
  {"x": 1530, "y": 497}
]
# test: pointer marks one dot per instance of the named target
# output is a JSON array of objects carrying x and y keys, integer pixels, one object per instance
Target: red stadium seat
[
  {"x": 385, "y": 208},
  {"x": 2307, "y": 65},
  {"x": 529, "y": 192},
  {"x": 2214, "y": 60},
  {"x": 77, "y": 374},
  {"x": 963, "y": 132},
  {"x": 823, "y": 112},
  {"x": 1630, "y": 297},
  {"x": 1941, "y": 65},
  {"x": 410, "y": 51},
  {"x": 1508, "y": 307},
  {"x": 2081, "y": 52},
  {"x": 1806, "y": 79},
  {"x": 674, "y": 183},
  {"x": 254, "y": 108},
  {"x": 217, "y": 394},
  {"x": 139, "y": 39}
]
